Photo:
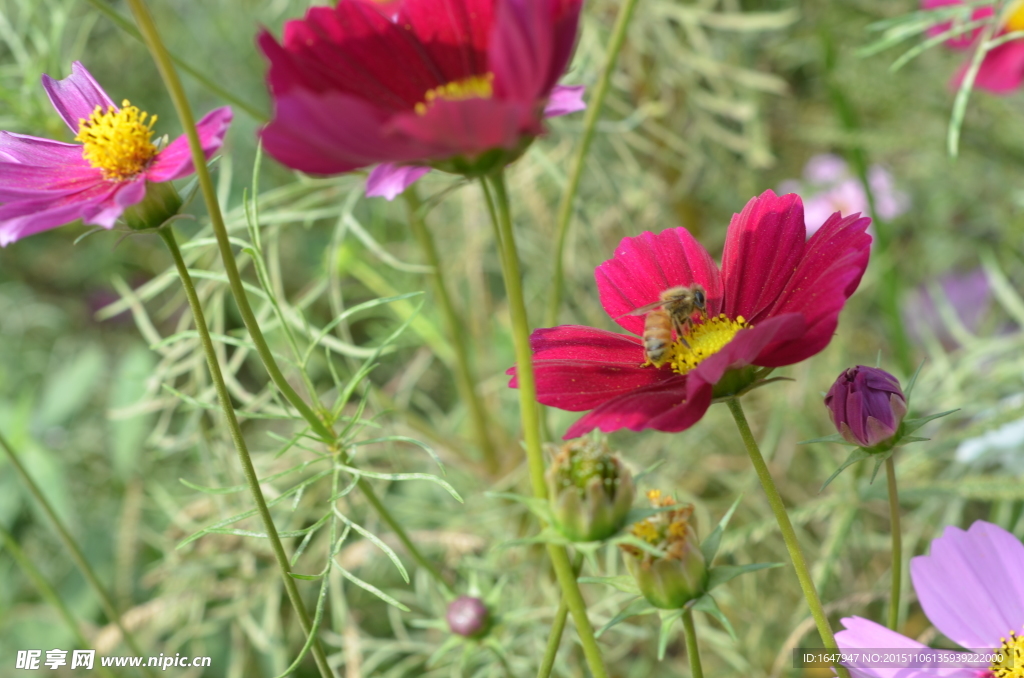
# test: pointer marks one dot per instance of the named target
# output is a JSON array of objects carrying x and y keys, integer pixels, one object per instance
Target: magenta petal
[
  {"x": 579, "y": 342},
  {"x": 830, "y": 271},
  {"x": 521, "y": 48},
  {"x": 76, "y": 96},
  {"x": 31, "y": 182},
  {"x": 305, "y": 134},
  {"x": 26, "y": 150},
  {"x": 565, "y": 99},
  {"x": 390, "y": 180},
  {"x": 971, "y": 586},
  {"x": 468, "y": 127},
  {"x": 1002, "y": 69},
  {"x": 863, "y": 634},
  {"x": 664, "y": 406},
  {"x": 648, "y": 264},
  {"x": 27, "y": 217},
  {"x": 175, "y": 161},
  {"x": 762, "y": 247},
  {"x": 452, "y": 33},
  {"x": 747, "y": 346}
]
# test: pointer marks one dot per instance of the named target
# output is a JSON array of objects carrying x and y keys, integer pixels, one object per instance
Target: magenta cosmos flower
[
  {"x": 972, "y": 589},
  {"x": 775, "y": 301},
  {"x": 46, "y": 183},
  {"x": 1002, "y": 69},
  {"x": 458, "y": 85}
]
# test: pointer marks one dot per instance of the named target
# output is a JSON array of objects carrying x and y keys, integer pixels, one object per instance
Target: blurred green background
[{"x": 713, "y": 102}]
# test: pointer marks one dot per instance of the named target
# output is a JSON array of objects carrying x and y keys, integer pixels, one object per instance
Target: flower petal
[
  {"x": 76, "y": 96},
  {"x": 351, "y": 49},
  {"x": 565, "y": 99},
  {"x": 762, "y": 247},
  {"x": 863, "y": 634},
  {"x": 26, "y": 150},
  {"x": 665, "y": 406},
  {"x": 964, "y": 40},
  {"x": 175, "y": 161},
  {"x": 971, "y": 586},
  {"x": 453, "y": 33},
  {"x": 748, "y": 345},
  {"x": 578, "y": 368},
  {"x": 468, "y": 127},
  {"x": 305, "y": 134},
  {"x": 1001, "y": 71},
  {"x": 30, "y": 182},
  {"x": 829, "y": 272},
  {"x": 390, "y": 180},
  {"x": 23, "y": 218},
  {"x": 530, "y": 46},
  {"x": 644, "y": 266}
]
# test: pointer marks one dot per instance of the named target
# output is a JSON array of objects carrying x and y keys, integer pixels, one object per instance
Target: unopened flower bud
[
  {"x": 590, "y": 490},
  {"x": 867, "y": 405},
  {"x": 680, "y": 575},
  {"x": 468, "y": 616}
]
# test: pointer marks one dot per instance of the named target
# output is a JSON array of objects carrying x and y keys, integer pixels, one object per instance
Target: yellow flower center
[
  {"x": 669, "y": 530},
  {"x": 1012, "y": 665},
  {"x": 1015, "y": 17},
  {"x": 117, "y": 141},
  {"x": 473, "y": 87},
  {"x": 702, "y": 341}
]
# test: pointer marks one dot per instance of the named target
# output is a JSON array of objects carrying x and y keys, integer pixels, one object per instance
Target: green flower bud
[
  {"x": 590, "y": 490},
  {"x": 680, "y": 575}
]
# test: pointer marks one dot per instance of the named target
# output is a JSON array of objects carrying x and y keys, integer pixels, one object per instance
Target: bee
[{"x": 673, "y": 311}]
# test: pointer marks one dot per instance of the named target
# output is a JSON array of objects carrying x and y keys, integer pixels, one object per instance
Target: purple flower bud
[
  {"x": 468, "y": 616},
  {"x": 867, "y": 405}
]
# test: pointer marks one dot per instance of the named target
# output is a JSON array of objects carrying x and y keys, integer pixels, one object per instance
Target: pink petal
[
  {"x": 454, "y": 34},
  {"x": 565, "y": 99},
  {"x": 305, "y": 134},
  {"x": 23, "y": 149},
  {"x": 531, "y": 44},
  {"x": 390, "y": 180},
  {"x": 27, "y": 217},
  {"x": 644, "y": 266},
  {"x": 964, "y": 40},
  {"x": 762, "y": 247},
  {"x": 579, "y": 342},
  {"x": 748, "y": 345},
  {"x": 972, "y": 585},
  {"x": 468, "y": 127},
  {"x": 76, "y": 96},
  {"x": 351, "y": 49},
  {"x": 1002, "y": 69},
  {"x": 831, "y": 269},
  {"x": 175, "y": 161},
  {"x": 664, "y": 406},
  {"x": 863, "y": 634},
  {"x": 29, "y": 182}
]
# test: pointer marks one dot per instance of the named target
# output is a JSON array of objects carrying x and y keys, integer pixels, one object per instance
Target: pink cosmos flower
[
  {"x": 828, "y": 186},
  {"x": 45, "y": 183},
  {"x": 775, "y": 301},
  {"x": 457, "y": 85},
  {"x": 1002, "y": 69},
  {"x": 972, "y": 589}
]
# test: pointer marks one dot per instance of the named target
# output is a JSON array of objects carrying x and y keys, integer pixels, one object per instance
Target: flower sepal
[
  {"x": 486, "y": 163},
  {"x": 161, "y": 204},
  {"x": 701, "y": 600}
]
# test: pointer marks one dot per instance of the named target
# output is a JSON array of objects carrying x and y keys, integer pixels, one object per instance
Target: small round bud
[
  {"x": 672, "y": 580},
  {"x": 867, "y": 405},
  {"x": 590, "y": 490},
  {"x": 468, "y": 616}
]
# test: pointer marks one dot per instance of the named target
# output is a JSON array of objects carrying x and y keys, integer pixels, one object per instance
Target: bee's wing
[{"x": 646, "y": 308}]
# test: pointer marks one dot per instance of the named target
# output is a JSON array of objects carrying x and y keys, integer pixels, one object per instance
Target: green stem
[
  {"x": 464, "y": 379},
  {"x": 71, "y": 546},
  {"x": 184, "y": 110},
  {"x": 897, "y": 543},
  {"x": 530, "y": 413},
  {"x": 565, "y": 207},
  {"x": 126, "y": 26},
  {"x": 46, "y": 591},
  {"x": 251, "y": 478},
  {"x": 690, "y": 632},
  {"x": 788, "y": 533},
  {"x": 557, "y": 627}
]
